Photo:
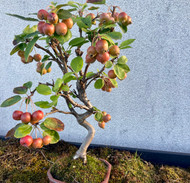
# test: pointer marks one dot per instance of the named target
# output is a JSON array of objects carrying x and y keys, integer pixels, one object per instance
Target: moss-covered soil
[{"x": 22, "y": 165}]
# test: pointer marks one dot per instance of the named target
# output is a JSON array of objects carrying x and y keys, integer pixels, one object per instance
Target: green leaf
[
  {"x": 122, "y": 60},
  {"x": 23, "y": 18},
  {"x": 43, "y": 104},
  {"x": 96, "y": 1},
  {"x": 98, "y": 116},
  {"x": 124, "y": 67},
  {"x": 59, "y": 7},
  {"x": 11, "y": 101},
  {"x": 54, "y": 99},
  {"x": 99, "y": 84},
  {"x": 89, "y": 74},
  {"x": 93, "y": 8},
  {"x": 28, "y": 84},
  {"x": 43, "y": 89},
  {"x": 108, "y": 64},
  {"x": 114, "y": 82},
  {"x": 11, "y": 132},
  {"x": 65, "y": 88},
  {"x": 42, "y": 126},
  {"x": 115, "y": 35},
  {"x": 57, "y": 84},
  {"x": 29, "y": 30},
  {"x": 77, "y": 64},
  {"x": 63, "y": 39},
  {"x": 17, "y": 48},
  {"x": 48, "y": 65},
  {"x": 64, "y": 14},
  {"x": 29, "y": 47},
  {"x": 123, "y": 27},
  {"x": 54, "y": 124},
  {"x": 106, "y": 37},
  {"x": 125, "y": 44},
  {"x": 53, "y": 134},
  {"x": 77, "y": 41},
  {"x": 84, "y": 22},
  {"x": 68, "y": 77},
  {"x": 32, "y": 34},
  {"x": 45, "y": 58},
  {"x": 20, "y": 90},
  {"x": 22, "y": 130},
  {"x": 120, "y": 73}
]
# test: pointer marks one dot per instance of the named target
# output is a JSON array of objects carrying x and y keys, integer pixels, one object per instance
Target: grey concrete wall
[{"x": 151, "y": 108}]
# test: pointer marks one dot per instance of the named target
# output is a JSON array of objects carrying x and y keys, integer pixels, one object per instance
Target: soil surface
[{"x": 21, "y": 165}]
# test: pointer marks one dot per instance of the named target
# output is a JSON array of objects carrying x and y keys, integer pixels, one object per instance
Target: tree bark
[{"x": 81, "y": 152}]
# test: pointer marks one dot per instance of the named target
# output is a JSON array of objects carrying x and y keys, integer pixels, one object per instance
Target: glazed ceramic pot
[{"x": 106, "y": 179}]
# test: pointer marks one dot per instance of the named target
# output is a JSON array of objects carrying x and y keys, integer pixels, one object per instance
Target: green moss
[
  {"x": 70, "y": 170},
  {"x": 22, "y": 165}
]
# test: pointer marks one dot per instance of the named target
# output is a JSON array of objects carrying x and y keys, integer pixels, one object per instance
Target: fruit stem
[
  {"x": 32, "y": 131},
  {"x": 32, "y": 103},
  {"x": 35, "y": 132},
  {"x": 39, "y": 131},
  {"x": 22, "y": 103}
]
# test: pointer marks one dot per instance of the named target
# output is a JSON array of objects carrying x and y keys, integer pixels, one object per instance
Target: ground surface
[{"x": 21, "y": 165}]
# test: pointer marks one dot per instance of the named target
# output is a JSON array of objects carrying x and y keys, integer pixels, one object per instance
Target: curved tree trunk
[{"x": 81, "y": 153}]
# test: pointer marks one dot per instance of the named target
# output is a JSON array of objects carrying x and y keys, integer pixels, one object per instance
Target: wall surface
[{"x": 151, "y": 108}]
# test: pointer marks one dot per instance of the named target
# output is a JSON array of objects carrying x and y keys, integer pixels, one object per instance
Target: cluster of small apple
[
  {"x": 107, "y": 85},
  {"x": 101, "y": 52},
  {"x": 36, "y": 57},
  {"x": 33, "y": 118},
  {"x": 28, "y": 141},
  {"x": 105, "y": 118},
  {"x": 109, "y": 18},
  {"x": 27, "y": 117},
  {"x": 40, "y": 69},
  {"x": 52, "y": 25}
]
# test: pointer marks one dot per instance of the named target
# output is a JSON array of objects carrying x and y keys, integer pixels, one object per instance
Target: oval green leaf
[
  {"x": 126, "y": 43},
  {"x": 122, "y": 60},
  {"x": 77, "y": 41},
  {"x": 57, "y": 84},
  {"x": 22, "y": 131},
  {"x": 43, "y": 89},
  {"x": 11, "y": 132},
  {"x": 99, "y": 84},
  {"x": 65, "y": 88},
  {"x": 120, "y": 73},
  {"x": 124, "y": 67},
  {"x": 114, "y": 82},
  {"x": 98, "y": 116},
  {"x": 77, "y": 64},
  {"x": 53, "y": 134},
  {"x": 115, "y": 35},
  {"x": 64, "y": 14},
  {"x": 108, "y": 64},
  {"x": 11, "y": 101},
  {"x": 20, "y": 90},
  {"x": 30, "y": 47},
  {"x": 54, "y": 124},
  {"x": 28, "y": 84},
  {"x": 43, "y": 104}
]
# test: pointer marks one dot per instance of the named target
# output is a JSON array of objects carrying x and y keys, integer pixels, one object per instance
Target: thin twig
[{"x": 46, "y": 158}]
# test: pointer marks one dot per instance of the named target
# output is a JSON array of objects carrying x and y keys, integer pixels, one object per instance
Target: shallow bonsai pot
[{"x": 106, "y": 179}]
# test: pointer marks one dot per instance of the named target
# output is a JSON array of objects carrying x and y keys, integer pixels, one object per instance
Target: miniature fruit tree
[{"x": 54, "y": 26}]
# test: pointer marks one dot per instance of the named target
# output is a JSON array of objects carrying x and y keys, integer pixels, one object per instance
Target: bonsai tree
[{"x": 54, "y": 27}]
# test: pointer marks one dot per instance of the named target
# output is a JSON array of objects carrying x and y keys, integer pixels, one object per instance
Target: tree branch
[{"x": 55, "y": 110}]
